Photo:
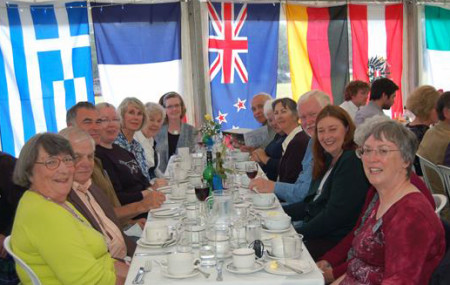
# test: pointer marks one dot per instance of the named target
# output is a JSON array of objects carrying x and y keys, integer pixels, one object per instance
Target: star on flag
[
  {"x": 240, "y": 104},
  {"x": 222, "y": 117}
]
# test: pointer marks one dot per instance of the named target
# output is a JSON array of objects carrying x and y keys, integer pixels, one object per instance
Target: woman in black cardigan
[{"x": 338, "y": 187}]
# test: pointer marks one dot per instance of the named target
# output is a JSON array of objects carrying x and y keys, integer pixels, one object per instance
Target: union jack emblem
[{"x": 227, "y": 43}]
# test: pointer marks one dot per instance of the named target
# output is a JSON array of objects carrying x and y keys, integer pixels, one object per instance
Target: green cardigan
[
  {"x": 334, "y": 213},
  {"x": 58, "y": 247}
]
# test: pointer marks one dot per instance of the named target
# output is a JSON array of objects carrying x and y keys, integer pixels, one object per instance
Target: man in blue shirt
[{"x": 308, "y": 107}]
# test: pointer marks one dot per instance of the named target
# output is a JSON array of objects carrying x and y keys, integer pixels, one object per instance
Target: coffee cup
[
  {"x": 286, "y": 246},
  {"x": 190, "y": 196},
  {"x": 157, "y": 232},
  {"x": 263, "y": 200},
  {"x": 243, "y": 258},
  {"x": 180, "y": 263},
  {"x": 276, "y": 221}
]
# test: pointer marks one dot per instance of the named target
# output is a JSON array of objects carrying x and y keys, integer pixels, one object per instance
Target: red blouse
[{"x": 402, "y": 247}]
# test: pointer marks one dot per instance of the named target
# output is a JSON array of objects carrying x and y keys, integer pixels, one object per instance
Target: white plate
[
  {"x": 166, "y": 274},
  {"x": 256, "y": 267},
  {"x": 165, "y": 213},
  {"x": 147, "y": 244},
  {"x": 275, "y": 231},
  {"x": 304, "y": 266},
  {"x": 172, "y": 197},
  {"x": 274, "y": 205},
  {"x": 155, "y": 243},
  {"x": 269, "y": 255}
]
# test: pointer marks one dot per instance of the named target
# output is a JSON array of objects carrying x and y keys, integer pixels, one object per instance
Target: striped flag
[
  {"x": 377, "y": 45},
  {"x": 138, "y": 50},
  {"x": 318, "y": 50},
  {"x": 437, "y": 43},
  {"x": 45, "y": 68}
]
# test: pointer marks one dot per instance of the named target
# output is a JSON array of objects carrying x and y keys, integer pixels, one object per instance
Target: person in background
[
  {"x": 308, "y": 106},
  {"x": 402, "y": 239},
  {"x": 295, "y": 143},
  {"x": 355, "y": 95},
  {"x": 174, "y": 133},
  {"x": 132, "y": 119},
  {"x": 434, "y": 145},
  {"x": 89, "y": 200},
  {"x": 338, "y": 188},
  {"x": 269, "y": 157},
  {"x": 85, "y": 116},
  {"x": 257, "y": 104},
  {"x": 126, "y": 176},
  {"x": 146, "y": 135},
  {"x": 334, "y": 262},
  {"x": 49, "y": 234},
  {"x": 422, "y": 103},
  {"x": 382, "y": 96},
  {"x": 10, "y": 195}
]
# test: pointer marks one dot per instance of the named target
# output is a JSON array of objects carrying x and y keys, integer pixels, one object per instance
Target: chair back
[
  {"x": 28, "y": 270},
  {"x": 440, "y": 201},
  {"x": 445, "y": 172},
  {"x": 429, "y": 169}
]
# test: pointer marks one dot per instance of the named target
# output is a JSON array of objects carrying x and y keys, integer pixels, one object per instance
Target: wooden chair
[{"x": 28, "y": 270}]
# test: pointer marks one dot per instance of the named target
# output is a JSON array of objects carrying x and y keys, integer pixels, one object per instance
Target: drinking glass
[
  {"x": 251, "y": 168},
  {"x": 253, "y": 229},
  {"x": 201, "y": 191}
]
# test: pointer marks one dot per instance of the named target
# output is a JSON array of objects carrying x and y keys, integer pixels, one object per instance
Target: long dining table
[{"x": 156, "y": 256}]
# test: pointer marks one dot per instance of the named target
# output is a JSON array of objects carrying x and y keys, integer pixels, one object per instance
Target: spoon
[{"x": 205, "y": 274}]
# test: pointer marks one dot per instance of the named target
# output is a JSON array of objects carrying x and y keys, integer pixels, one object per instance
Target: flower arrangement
[{"x": 209, "y": 129}]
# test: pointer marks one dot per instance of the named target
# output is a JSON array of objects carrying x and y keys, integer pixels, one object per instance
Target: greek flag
[{"x": 45, "y": 68}]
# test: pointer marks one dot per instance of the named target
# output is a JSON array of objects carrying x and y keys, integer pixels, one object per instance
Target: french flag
[
  {"x": 377, "y": 45},
  {"x": 138, "y": 50}
]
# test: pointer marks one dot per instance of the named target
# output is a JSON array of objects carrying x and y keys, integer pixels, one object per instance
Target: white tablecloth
[{"x": 261, "y": 277}]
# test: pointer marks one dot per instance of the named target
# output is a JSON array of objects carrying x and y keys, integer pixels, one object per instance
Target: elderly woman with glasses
[
  {"x": 174, "y": 133},
  {"x": 402, "y": 240},
  {"x": 49, "y": 234}
]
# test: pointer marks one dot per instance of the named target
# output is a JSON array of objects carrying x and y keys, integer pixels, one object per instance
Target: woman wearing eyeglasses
[
  {"x": 49, "y": 234},
  {"x": 402, "y": 240},
  {"x": 174, "y": 133}
]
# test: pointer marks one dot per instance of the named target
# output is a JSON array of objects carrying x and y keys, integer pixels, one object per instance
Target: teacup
[
  {"x": 157, "y": 232},
  {"x": 277, "y": 221},
  {"x": 179, "y": 190},
  {"x": 195, "y": 179},
  {"x": 190, "y": 196},
  {"x": 263, "y": 200},
  {"x": 286, "y": 246},
  {"x": 180, "y": 263},
  {"x": 243, "y": 258}
]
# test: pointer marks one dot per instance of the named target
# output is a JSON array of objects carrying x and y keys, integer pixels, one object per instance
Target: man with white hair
[{"x": 308, "y": 106}]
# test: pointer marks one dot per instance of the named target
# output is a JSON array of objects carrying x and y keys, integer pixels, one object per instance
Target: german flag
[{"x": 318, "y": 49}]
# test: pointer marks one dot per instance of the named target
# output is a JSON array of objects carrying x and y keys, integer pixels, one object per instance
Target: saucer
[
  {"x": 271, "y": 256},
  {"x": 274, "y": 205},
  {"x": 275, "y": 231},
  {"x": 142, "y": 242},
  {"x": 172, "y": 197},
  {"x": 257, "y": 266},
  {"x": 165, "y": 213},
  {"x": 168, "y": 275},
  {"x": 278, "y": 269}
]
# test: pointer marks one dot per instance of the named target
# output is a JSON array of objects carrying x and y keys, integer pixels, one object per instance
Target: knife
[{"x": 291, "y": 268}]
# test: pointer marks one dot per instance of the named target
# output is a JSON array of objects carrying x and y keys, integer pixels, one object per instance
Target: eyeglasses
[
  {"x": 107, "y": 121},
  {"x": 54, "y": 162},
  {"x": 381, "y": 152},
  {"x": 173, "y": 106}
]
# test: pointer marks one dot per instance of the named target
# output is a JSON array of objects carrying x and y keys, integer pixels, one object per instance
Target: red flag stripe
[
  {"x": 394, "y": 51},
  {"x": 360, "y": 41},
  {"x": 317, "y": 39}
]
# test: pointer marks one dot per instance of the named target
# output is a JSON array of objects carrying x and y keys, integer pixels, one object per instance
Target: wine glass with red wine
[
  {"x": 202, "y": 191},
  {"x": 251, "y": 168}
]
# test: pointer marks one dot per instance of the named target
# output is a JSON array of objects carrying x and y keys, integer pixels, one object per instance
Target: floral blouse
[{"x": 136, "y": 149}]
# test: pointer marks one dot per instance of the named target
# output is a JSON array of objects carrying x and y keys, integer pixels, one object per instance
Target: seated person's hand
[
  {"x": 245, "y": 148},
  {"x": 259, "y": 155},
  {"x": 159, "y": 182},
  {"x": 262, "y": 185},
  {"x": 327, "y": 269},
  {"x": 153, "y": 199},
  {"x": 121, "y": 271}
]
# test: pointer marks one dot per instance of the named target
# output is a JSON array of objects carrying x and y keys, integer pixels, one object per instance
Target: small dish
[
  {"x": 182, "y": 276},
  {"x": 271, "y": 256},
  {"x": 274, "y": 205},
  {"x": 277, "y": 268},
  {"x": 233, "y": 269},
  {"x": 148, "y": 244},
  {"x": 275, "y": 231},
  {"x": 165, "y": 213}
]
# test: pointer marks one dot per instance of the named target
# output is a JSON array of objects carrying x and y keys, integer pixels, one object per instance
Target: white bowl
[
  {"x": 263, "y": 200},
  {"x": 277, "y": 222}
]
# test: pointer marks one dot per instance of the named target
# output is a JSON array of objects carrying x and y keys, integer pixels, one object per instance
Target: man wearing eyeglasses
[{"x": 85, "y": 116}]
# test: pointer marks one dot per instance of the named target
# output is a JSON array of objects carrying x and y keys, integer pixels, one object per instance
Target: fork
[{"x": 139, "y": 279}]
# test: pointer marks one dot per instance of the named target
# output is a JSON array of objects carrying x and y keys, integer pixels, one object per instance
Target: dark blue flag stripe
[{"x": 5, "y": 119}]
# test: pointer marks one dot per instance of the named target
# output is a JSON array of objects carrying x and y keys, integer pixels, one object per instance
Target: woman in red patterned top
[{"x": 402, "y": 239}]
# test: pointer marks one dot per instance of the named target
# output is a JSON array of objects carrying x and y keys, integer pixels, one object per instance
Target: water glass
[
  {"x": 207, "y": 255},
  {"x": 253, "y": 229}
]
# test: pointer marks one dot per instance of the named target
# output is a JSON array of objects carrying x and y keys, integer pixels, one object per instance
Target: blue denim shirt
[{"x": 297, "y": 192}]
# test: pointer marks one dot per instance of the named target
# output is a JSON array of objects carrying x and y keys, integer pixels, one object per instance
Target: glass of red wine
[
  {"x": 251, "y": 168},
  {"x": 202, "y": 191}
]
